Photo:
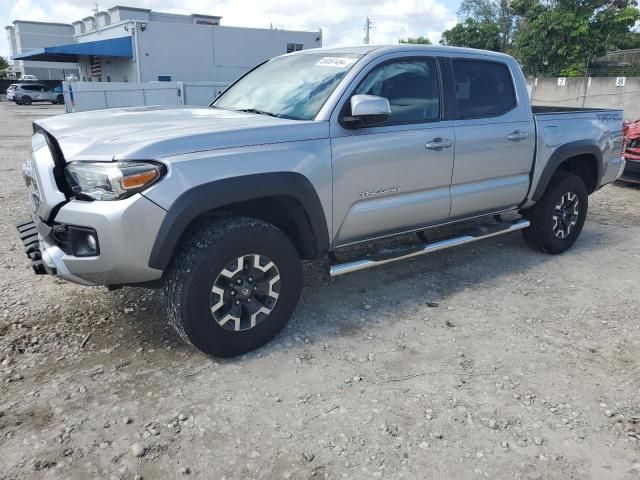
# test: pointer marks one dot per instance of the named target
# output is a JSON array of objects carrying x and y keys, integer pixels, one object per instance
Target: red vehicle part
[
  {"x": 631, "y": 151},
  {"x": 631, "y": 131}
]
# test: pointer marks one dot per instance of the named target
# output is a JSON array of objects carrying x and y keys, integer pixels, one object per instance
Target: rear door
[
  {"x": 32, "y": 91},
  {"x": 393, "y": 176},
  {"x": 495, "y": 138}
]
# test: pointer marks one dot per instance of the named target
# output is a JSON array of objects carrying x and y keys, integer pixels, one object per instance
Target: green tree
[
  {"x": 485, "y": 12},
  {"x": 418, "y": 40},
  {"x": 474, "y": 34},
  {"x": 4, "y": 64},
  {"x": 561, "y": 37}
]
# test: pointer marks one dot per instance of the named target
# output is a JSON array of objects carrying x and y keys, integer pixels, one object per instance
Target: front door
[{"x": 394, "y": 176}]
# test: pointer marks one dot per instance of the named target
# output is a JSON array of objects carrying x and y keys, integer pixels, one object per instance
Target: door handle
[
  {"x": 438, "y": 144},
  {"x": 517, "y": 136}
]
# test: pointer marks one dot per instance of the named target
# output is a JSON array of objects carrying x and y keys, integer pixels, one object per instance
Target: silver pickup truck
[{"x": 305, "y": 155}]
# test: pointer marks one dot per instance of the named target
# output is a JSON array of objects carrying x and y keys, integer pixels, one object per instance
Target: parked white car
[
  {"x": 29, "y": 78},
  {"x": 27, "y": 93}
]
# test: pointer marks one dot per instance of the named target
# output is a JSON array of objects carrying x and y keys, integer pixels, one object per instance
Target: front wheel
[
  {"x": 558, "y": 217},
  {"x": 233, "y": 286},
  {"x": 25, "y": 100}
]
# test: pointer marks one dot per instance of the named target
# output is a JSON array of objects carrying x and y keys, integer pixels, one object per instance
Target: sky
[{"x": 342, "y": 21}]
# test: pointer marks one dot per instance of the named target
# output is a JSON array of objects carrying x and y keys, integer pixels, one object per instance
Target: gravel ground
[{"x": 485, "y": 361}]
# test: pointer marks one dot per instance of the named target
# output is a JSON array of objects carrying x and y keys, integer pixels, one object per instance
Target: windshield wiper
[{"x": 259, "y": 112}]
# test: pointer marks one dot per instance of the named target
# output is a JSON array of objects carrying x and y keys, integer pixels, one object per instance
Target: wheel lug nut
[
  {"x": 250, "y": 279},
  {"x": 248, "y": 299},
  {"x": 255, "y": 288},
  {"x": 239, "y": 281},
  {"x": 237, "y": 302},
  {"x": 232, "y": 293}
]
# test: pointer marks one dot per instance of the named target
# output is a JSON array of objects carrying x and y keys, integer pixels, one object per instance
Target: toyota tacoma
[{"x": 305, "y": 155}]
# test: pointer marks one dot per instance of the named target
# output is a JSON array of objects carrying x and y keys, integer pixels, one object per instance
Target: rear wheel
[
  {"x": 233, "y": 286},
  {"x": 60, "y": 99},
  {"x": 24, "y": 100},
  {"x": 558, "y": 217}
]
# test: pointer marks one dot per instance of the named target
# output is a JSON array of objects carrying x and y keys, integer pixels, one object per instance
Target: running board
[{"x": 403, "y": 252}]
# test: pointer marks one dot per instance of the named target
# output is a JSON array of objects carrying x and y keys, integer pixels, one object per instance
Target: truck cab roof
[{"x": 404, "y": 47}]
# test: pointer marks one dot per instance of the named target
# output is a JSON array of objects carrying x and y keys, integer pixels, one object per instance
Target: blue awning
[{"x": 112, "y": 47}]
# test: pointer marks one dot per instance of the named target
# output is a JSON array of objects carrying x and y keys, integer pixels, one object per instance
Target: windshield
[{"x": 292, "y": 86}]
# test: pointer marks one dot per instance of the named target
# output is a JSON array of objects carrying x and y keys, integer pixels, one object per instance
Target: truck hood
[{"x": 141, "y": 133}]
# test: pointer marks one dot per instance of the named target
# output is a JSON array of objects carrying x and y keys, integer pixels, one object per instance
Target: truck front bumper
[{"x": 124, "y": 230}]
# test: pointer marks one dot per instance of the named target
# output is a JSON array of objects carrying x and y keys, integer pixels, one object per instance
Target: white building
[
  {"x": 126, "y": 44},
  {"x": 24, "y": 36}
]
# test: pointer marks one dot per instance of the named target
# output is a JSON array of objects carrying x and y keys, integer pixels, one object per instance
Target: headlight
[{"x": 111, "y": 180}]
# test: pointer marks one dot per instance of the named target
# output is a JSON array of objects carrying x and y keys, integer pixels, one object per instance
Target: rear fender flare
[{"x": 565, "y": 152}]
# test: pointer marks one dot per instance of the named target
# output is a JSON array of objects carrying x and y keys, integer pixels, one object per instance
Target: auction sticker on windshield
[{"x": 339, "y": 62}]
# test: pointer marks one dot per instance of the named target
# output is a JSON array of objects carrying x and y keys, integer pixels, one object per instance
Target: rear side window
[
  {"x": 411, "y": 86},
  {"x": 483, "y": 89}
]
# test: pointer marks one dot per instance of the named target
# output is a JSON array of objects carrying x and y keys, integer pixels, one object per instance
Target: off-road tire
[
  {"x": 540, "y": 235},
  {"x": 25, "y": 100},
  {"x": 198, "y": 264}
]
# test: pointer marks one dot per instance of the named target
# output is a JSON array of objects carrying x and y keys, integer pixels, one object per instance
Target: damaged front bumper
[
  {"x": 85, "y": 242},
  {"x": 46, "y": 258}
]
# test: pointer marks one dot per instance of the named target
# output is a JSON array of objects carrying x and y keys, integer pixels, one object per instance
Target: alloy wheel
[
  {"x": 565, "y": 215},
  {"x": 245, "y": 292}
]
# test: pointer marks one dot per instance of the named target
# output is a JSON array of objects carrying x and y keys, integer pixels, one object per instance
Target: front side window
[
  {"x": 293, "y": 86},
  {"x": 483, "y": 89},
  {"x": 411, "y": 86}
]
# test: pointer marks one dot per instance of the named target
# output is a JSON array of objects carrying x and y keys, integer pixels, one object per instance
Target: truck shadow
[
  {"x": 393, "y": 291},
  {"x": 347, "y": 305}
]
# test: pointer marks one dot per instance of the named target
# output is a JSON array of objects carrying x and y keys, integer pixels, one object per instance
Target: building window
[
  {"x": 294, "y": 47},
  {"x": 164, "y": 78}
]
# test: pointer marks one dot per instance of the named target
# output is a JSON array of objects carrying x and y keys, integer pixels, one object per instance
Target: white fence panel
[
  {"x": 202, "y": 93},
  {"x": 84, "y": 96}
]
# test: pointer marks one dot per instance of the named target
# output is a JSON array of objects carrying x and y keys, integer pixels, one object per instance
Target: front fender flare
[{"x": 208, "y": 196}]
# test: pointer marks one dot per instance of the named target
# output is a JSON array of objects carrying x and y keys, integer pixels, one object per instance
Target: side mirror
[{"x": 367, "y": 110}]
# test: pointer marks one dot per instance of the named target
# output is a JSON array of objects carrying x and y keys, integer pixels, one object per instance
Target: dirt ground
[{"x": 528, "y": 367}]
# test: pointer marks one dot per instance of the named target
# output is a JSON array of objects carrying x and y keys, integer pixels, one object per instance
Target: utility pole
[{"x": 367, "y": 28}]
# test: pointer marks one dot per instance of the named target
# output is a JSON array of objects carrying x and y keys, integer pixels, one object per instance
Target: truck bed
[{"x": 544, "y": 109}]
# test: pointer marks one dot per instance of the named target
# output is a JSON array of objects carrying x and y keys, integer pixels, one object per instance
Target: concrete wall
[
  {"x": 592, "y": 92},
  {"x": 237, "y": 50},
  {"x": 210, "y": 53},
  {"x": 191, "y": 52}
]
